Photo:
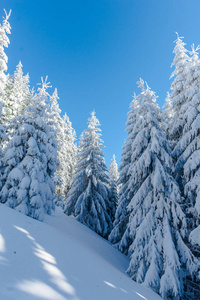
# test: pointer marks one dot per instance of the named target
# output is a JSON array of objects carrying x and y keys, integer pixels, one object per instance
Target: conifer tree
[
  {"x": 125, "y": 194},
  {"x": 89, "y": 197},
  {"x": 178, "y": 87},
  {"x": 187, "y": 149},
  {"x": 4, "y": 41},
  {"x": 68, "y": 154},
  {"x": 168, "y": 116},
  {"x": 156, "y": 228},
  {"x": 65, "y": 137},
  {"x": 55, "y": 121},
  {"x": 30, "y": 161},
  {"x": 152, "y": 208},
  {"x": 17, "y": 94},
  {"x": 113, "y": 181},
  {"x": 185, "y": 152}
]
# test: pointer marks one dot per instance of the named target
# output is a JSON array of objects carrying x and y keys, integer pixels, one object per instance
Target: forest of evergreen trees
[{"x": 150, "y": 211}]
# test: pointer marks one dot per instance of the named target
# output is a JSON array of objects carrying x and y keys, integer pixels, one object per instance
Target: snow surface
[
  {"x": 194, "y": 236},
  {"x": 61, "y": 259}
]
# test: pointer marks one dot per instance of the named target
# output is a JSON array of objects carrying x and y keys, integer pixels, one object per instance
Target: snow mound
[
  {"x": 194, "y": 236},
  {"x": 60, "y": 259}
]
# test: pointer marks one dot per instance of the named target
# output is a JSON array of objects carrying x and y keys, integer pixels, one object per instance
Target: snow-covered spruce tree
[
  {"x": 17, "y": 94},
  {"x": 89, "y": 197},
  {"x": 69, "y": 155},
  {"x": 125, "y": 195},
  {"x": 187, "y": 150},
  {"x": 167, "y": 116},
  {"x": 2, "y": 139},
  {"x": 113, "y": 181},
  {"x": 4, "y": 41},
  {"x": 157, "y": 226},
  {"x": 55, "y": 121},
  {"x": 30, "y": 161},
  {"x": 178, "y": 87},
  {"x": 66, "y": 158}
]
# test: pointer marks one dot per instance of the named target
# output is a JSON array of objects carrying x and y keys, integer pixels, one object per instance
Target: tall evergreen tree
[
  {"x": 55, "y": 121},
  {"x": 113, "y": 181},
  {"x": 125, "y": 193},
  {"x": 4, "y": 41},
  {"x": 68, "y": 154},
  {"x": 185, "y": 133},
  {"x": 30, "y": 161},
  {"x": 156, "y": 228},
  {"x": 17, "y": 94},
  {"x": 168, "y": 116},
  {"x": 89, "y": 197},
  {"x": 187, "y": 149},
  {"x": 65, "y": 137},
  {"x": 178, "y": 87}
]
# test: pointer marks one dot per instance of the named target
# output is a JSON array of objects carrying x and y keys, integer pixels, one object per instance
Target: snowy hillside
[{"x": 60, "y": 259}]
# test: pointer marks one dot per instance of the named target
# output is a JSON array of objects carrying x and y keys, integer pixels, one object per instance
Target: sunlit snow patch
[
  {"x": 110, "y": 284},
  {"x": 40, "y": 289},
  {"x": 2, "y": 244},
  {"x": 141, "y": 296}
]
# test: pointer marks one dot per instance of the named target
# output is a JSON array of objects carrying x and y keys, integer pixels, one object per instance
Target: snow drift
[{"x": 60, "y": 259}]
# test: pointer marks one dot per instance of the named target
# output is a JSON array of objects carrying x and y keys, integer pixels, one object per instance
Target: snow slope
[{"x": 60, "y": 259}]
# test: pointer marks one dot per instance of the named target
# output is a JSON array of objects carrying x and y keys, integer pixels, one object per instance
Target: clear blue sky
[{"x": 95, "y": 51}]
